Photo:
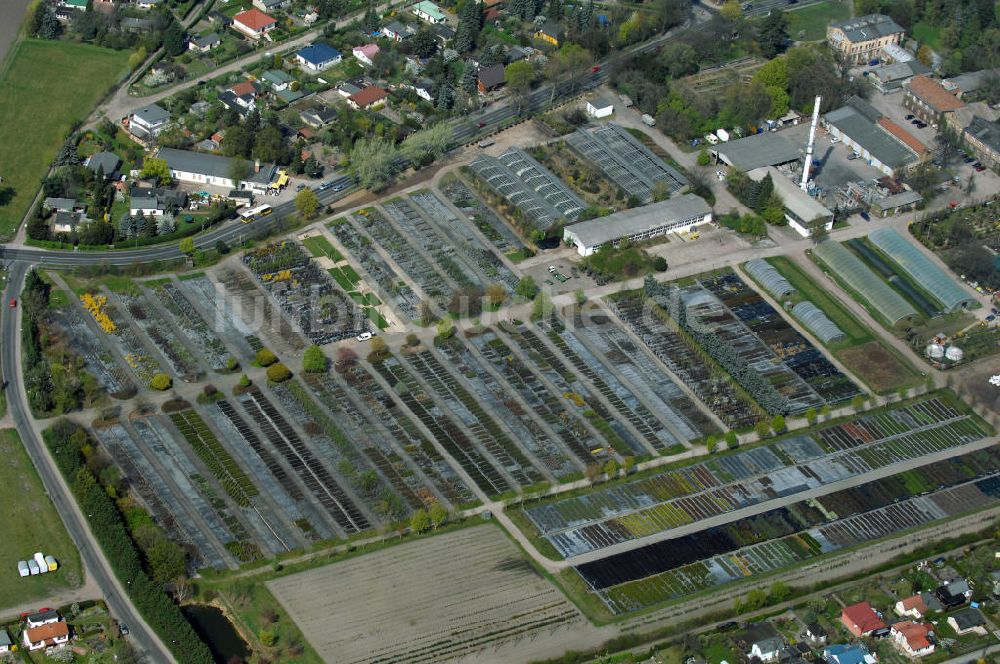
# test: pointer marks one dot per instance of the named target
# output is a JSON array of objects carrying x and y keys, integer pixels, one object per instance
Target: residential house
[
  {"x": 5, "y": 641},
  {"x": 859, "y": 40},
  {"x": 220, "y": 18},
  {"x": 67, "y": 222},
  {"x": 600, "y": 107},
  {"x": 254, "y": 23},
  {"x": 149, "y": 121},
  {"x": 397, "y": 31},
  {"x": 815, "y": 634},
  {"x": 271, "y": 5},
  {"x": 371, "y": 97},
  {"x": 136, "y": 26},
  {"x": 318, "y": 117},
  {"x": 984, "y": 139},
  {"x": 54, "y": 204},
  {"x": 278, "y": 80},
  {"x": 204, "y": 43},
  {"x": 49, "y": 634},
  {"x": 968, "y": 621},
  {"x": 928, "y": 100},
  {"x": 490, "y": 78},
  {"x": 427, "y": 11},
  {"x": 842, "y": 653},
  {"x": 890, "y": 78},
  {"x": 106, "y": 163},
  {"x": 912, "y": 638},
  {"x": 348, "y": 89},
  {"x": 289, "y": 96},
  {"x": 516, "y": 53},
  {"x": 46, "y": 617},
  {"x": 550, "y": 32},
  {"x": 318, "y": 56},
  {"x": 954, "y": 593},
  {"x": 155, "y": 202},
  {"x": 79, "y": 5},
  {"x": 366, "y": 54},
  {"x": 200, "y": 108},
  {"x": 763, "y": 641},
  {"x": 147, "y": 4},
  {"x": 240, "y": 197},
  {"x": 210, "y": 169},
  {"x": 911, "y": 607},
  {"x": 244, "y": 89},
  {"x": 242, "y": 104},
  {"x": 861, "y": 620},
  {"x": 882, "y": 144},
  {"x": 424, "y": 89},
  {"x": 443, "y": 33}
]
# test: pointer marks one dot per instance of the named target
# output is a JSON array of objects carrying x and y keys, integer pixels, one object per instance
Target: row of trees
[
  {"x": 376, "y": 161},
  {"x": 67, "y": 443}
]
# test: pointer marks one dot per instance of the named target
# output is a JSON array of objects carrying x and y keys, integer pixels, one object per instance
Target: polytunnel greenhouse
[
  {"x": 769, "y": 278},
  {"x": 818, "y": 322},
  {"x": 859, "y": 278}
]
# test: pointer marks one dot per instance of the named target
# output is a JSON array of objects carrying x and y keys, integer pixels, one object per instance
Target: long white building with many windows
[{"x": 676, "y": 214}]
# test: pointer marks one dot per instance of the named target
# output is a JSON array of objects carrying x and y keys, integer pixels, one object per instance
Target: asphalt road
[{"x": 147, "y": 643}]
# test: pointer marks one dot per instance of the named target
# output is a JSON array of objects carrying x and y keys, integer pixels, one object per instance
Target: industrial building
[
  {"x": 801, "y": 209},
  {"x": 882, "y": 143},
  {"x": 890, "y": 78},
  {"x": 757, "y": 151},
  {"x": 637, "y": 224}
]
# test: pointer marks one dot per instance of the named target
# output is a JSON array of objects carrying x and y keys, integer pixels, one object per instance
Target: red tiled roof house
[
  {"x": 254, "y": 23},
  {"x": 860, "y": 619},
  {"x": 370, "y": 97}
]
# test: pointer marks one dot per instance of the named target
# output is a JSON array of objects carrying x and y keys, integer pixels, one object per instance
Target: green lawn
[
  {"x": 48, "y": 86},
  {"x": 30, "y": 524},
  {"x": 927, "y": 34},
  {"x": 320, "y": 246},
  {"x": 812, "y": 20}
]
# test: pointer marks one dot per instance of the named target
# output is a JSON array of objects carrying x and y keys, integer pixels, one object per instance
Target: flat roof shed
[{"x": 757, "y": 151}]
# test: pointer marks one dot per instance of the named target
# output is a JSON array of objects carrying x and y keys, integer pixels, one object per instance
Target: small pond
[{"x": 217, "y": 632}]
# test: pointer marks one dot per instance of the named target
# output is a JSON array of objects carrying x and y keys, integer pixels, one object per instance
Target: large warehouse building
[
  {"x": 757, "y": 151},
  {"x": 638, "y": 224}
]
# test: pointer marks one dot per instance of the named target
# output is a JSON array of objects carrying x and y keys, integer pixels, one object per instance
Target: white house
[
  {"x": 764, "y": 641},
  {"x": 600, "y": 107},
  {"x": 366, "y": 54},
  {"x": 155, "y": 202},
  {"x": 967, "y": 621},
  {"x": 427, "y": 11},
  {"x": 317, "y": 57},
  {"x": 5, "y": 641},
  {"x": 913, "y": 639},
  {"x": 254, "y": 23},
  {"x": 271, "y": 5},
  {"x": 49, "y": 634},
  {"x": 42, "y": 618},
  {"x": 911, "y": 607},
  {"x": 211, "y": 169},
  {"x": 149, "y": 121},
  {"x": 204, "y": 43}
]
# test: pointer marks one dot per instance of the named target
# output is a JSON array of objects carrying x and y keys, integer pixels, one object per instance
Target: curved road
[{"x": 93, "y": 558}]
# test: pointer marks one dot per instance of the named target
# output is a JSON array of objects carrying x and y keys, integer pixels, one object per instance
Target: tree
[
  {"x": 269, "y": 145},
  {"x": 374, "y": 162},
  {"x": 371, "y": 22},
  {"x": 265, "y": 357},
  {"x": 628, "y": 464},
  {"x": 731, "y": 10},
  {"x": 307, "y": 203},
  {"x": 379, "y": 348},
  {"x": 438, "y": 515},
  {"x": 470, "y": 22},
  {"x": 186, "y": 245},
  {"x": 660, "y": 264},
  {"x": 858, "y": 402},
  {"x": 420, "y": 521},
  {"x": 773, "y": 33},
  {"x": 611, "y": 468},
  {"x": 268, "y": 636},
  {"x": 526, "y": 288},
  {"x": 173, "y": 38},
  {"x": 778, "y": 423},
  {"x": 763, "y": 428},
  {"x": 424, "y": 146},
  {"x": 445, "y": 327},
  {"x": 817, "y": 230},
  {"x": 811, "y": 416},
  {"x": 703, "y": 158},
  {"x": 239, "y": 169},
  {"x": 520, "y": 76},
  {"x": 161, "y": 382},
  {"x": 424, "y": 43},
  {"x": 496, "y": 294},
  {"x": 314, "y": 360},
  {"x": 156, "y": 169},
  {"x": 711, "y": 442},
  {"x": 569, "y": 63},
  {"x": 49, "y": 26},
  {"x": 925, "y": 55},
  {"x": 732, "y": 440},
  {"x": 278, "y": 373},
  {"x": 165, "y": 559},
  {"x": 346, "y": 357},
  {"x": 541, "y": 308}
]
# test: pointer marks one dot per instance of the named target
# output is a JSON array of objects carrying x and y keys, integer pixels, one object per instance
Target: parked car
[
  {"x": 979, "y": 167},
  {"x": 123, "y": 628},
  {"x": 909, "y": 116},
  {"x": 865, "y": 216},
  {"x": 990, "y": 318},
  {"x": 13, "y": 303},
  {"x": 365, "y": 336}
]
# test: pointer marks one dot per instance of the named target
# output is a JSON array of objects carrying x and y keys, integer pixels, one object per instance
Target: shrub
[
  {"x": 161, "y": 381},
  {"x": 244, "y": 380},
  {"x": 703, "y": 158},
  {"x": 314, "y": 360},
  {"x": 660, "y": 264},
  {"x": 266, "y": 357},
  {"x": 732, "y": 440},
  {"x": 278, "y": 373}
]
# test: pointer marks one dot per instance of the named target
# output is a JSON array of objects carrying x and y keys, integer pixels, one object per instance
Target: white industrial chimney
[{"x": 809, "y": 147}]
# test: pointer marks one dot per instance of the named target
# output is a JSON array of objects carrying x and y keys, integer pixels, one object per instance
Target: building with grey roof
[
  {"x": 757, "y": 151},
  {"x": 149, "y": 121},
  {"x": 216, "y": 170},
  {"x": 984, "y": 139},
  {"x": 890, "y": 78},
  {"x": 675, "y": 214},
  {"x": 155, "y": 201},
  {"x": 895, "y": 204},
  {"x": 861, "y": 39},
  {"x": 104, "y": 162},
  {"x": 801, "y": 209},
  {"x": 967, "y": 86},
  {"x": 61, "y": 204},
  {"x": 857, "y": 125}
]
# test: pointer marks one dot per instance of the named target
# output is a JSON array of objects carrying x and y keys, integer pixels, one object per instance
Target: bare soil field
[
  {"x": 877, "y": 366},
  {"x": 420, "y": 602}
]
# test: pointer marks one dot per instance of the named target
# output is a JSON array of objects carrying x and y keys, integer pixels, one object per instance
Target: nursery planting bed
[
  {"x": 97, "y": 358},
  {"x": 162, "y": 336},
  {"x": 193, "y": 326},
  {"x": 260, "y": 314},
  {"x": 219, "y": 313},
  {"x": 503, "y": 238}
]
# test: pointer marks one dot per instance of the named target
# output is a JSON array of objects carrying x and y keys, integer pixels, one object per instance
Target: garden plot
[
  {"x": 549, "y": 404},
  {"x": 420, "y": 602},
  {"x": 681, "y": 356},
  {"x": 374, "y": 442},
  {"x": 222, "y": 320},
  {"x": 553, "y": 366},
  {"x": 414, "y": 226},
  {"x": 98, "y": 360},
  {"x": 306, "y": 293},
  {"x": 266, "y": 468},
  {"x": 496, "y": 395},
  {"x": 462, "y": 236},
  {"x": 675, "y": 568},
  {"x": 618, "y": 349},
  {"x": 366, "y": 486},
  {"x": 481, "y": 425},
  {"x": 304, "y": 463},
  {"x": 667, "y": 435},
  {"x": 391, "y": 287},
  {"x": 581, "y": 524},
  {"x": 489, "y": 224},
  {"x": 383, "y": 412},
  {"x": 145, "y": 315},
  {"x": 792, "y": 349},
  {"x": 259, "y": 314},
  {"x": 128, "y": 343},
  {"x": 193, "y": 326},
  {"x": 171, "y": 497},
  {"x": 448, "y": 433},
  {"x": 405, "y": 254}
]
